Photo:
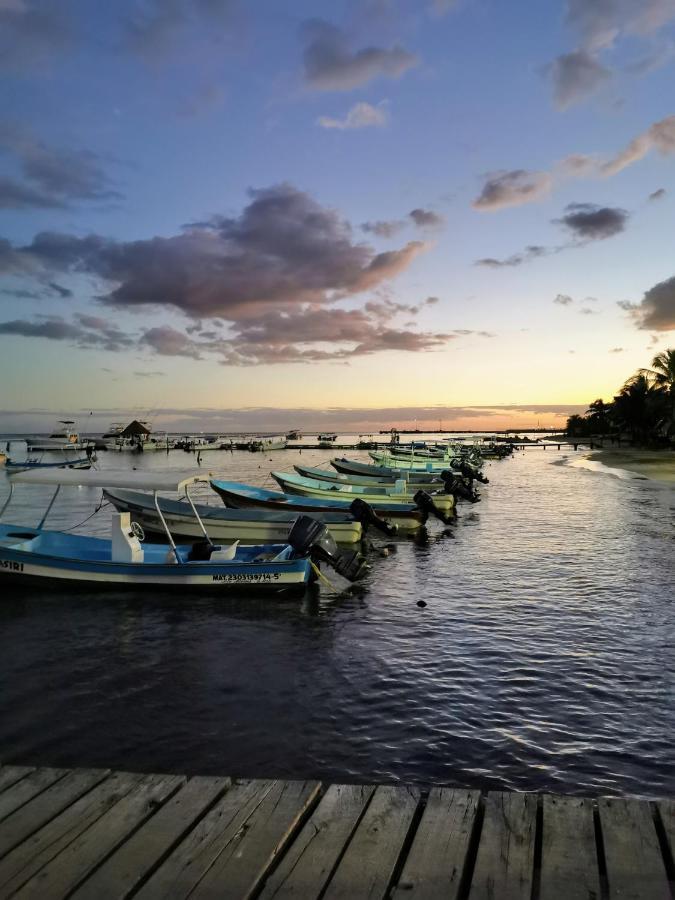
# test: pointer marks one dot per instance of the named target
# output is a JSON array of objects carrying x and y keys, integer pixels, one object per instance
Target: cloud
[
  {"x": 517, "y": 259},
  {"x": 330, "y": 64},
  {"x": 61, "y": 291},
  {"x": 166, "y": 341},
  {"x": 31, "y": 32},
  {"x": 54, "y": 177},
  {"x": 157, "y": 26},
  {"x": 656, "y": 311},
  {"x": 361, "y": 115},
  {"x": 518, "y": 186},
  {"x": 589, "y": 222},
  {"x": 383, "y": 229},
  {"x": 563, "y": 300},
  {"x": 284, "y": 249},
  {"x": 149, "y": 374},
  {"x": 585, "y": 221},
  {"x": 599, "y": 23},
  {"x": 426, "y": 218},
  {"x": 575, "y": 76},
  {"x": 660, "y": 136},
  {"x": 85, "y": 332},
  {"x": 14, "y": 195},
  {"x": 512, "y": 188},
  {"x": 618, "y": 350},
  {"x": 658, "y": 194}
]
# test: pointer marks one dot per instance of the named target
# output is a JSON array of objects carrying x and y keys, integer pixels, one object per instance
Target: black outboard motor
[
  {"x": 455, "y": 485},
  {"x": 365, "y": 514},
  {"x": 425, "y": 502},
  {"x": 309, "y": 537},
  {"x": 468, "y": 471}
]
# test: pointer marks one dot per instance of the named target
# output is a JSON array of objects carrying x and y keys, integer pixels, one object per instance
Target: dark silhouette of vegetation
[{"x": 643, "y": 411}]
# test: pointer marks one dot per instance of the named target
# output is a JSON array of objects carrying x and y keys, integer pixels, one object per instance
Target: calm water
[{"x": 545, "y": 659}]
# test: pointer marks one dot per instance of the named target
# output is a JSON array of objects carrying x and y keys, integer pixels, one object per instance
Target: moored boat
[
  {"x": 425, "y": 482},
  {"x": 405, "y": 517},
  {"x": 63, "y": 437},
  {"x": 398, "y": 493},
  {"x": 123, "y": 561},
  {"x": 248, "y": 526},
  {"x": 31, "y": 465}
]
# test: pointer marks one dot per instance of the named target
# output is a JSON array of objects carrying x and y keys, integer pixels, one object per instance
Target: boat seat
[
  {"x": 203, "y": 551},
  {"x": 224, "y": 554}
]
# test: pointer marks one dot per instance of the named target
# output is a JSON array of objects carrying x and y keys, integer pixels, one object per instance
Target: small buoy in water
[{"x": 421, "y": 603}]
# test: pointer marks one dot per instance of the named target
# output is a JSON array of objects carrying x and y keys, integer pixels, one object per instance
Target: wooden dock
[{"x": 97, "y": 835}]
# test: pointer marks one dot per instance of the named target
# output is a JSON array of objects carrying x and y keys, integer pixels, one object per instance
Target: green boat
[{"x": 397, "y": 493}]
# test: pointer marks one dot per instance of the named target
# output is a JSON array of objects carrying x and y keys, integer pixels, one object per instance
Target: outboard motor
[
  {"x": 424, "y": 501},
  {"x": 365, "y": 514},
  {"x": 455, "y": 485},
  {"x": 468, "y": 471},
  {"x": 309, "y": 537}
]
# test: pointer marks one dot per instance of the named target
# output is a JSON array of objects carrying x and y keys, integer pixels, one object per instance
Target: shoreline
[{"x": 657, "y": 465}]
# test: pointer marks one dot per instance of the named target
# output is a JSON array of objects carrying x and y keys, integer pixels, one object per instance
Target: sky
[{"x": 248, "y": 214}]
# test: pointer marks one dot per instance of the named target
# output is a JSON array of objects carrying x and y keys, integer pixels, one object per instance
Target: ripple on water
[{"x": 544, "y": 659}]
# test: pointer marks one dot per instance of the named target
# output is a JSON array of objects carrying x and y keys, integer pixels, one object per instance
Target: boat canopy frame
[{"x": 128, "y": 480}]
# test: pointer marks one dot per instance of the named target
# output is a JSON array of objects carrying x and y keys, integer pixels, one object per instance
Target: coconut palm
[
  {"x": 598, "y": 416},
  {"x": 663, "y": 372},
  {"x": 641, "y": 407}
]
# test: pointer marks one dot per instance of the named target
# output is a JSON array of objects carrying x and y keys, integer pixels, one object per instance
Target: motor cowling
[
  {"x": 365, "y": 514},
  {"x": 309, "y": 537},
  {"x": 425, "y": 502},
  {"x": 454, "y": 484}
]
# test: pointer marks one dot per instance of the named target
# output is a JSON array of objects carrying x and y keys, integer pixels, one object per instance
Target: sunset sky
[{"x": 239, "y": 215}]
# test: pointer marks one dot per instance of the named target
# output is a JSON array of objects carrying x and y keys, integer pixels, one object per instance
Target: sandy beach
[{"x": 656, "y": 464}]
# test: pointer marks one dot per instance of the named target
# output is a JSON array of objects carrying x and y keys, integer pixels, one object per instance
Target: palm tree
[
  {"x": 640, "y": 408},
  {"x": 598, "y": 416},
  {"x": 663, "y": 372},
  {"x": 576, "y": 426}
]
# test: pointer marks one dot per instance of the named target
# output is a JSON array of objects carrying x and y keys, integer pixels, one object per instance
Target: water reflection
[{"x": 543, "y": 660}]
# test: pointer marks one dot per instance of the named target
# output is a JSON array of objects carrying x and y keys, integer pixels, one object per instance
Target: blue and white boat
[
  {"x": 125, "y": 560},
  {"x": 31, "y": 465}
]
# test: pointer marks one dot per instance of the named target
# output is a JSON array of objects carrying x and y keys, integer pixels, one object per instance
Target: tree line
[{"x": 643, "y": 411}]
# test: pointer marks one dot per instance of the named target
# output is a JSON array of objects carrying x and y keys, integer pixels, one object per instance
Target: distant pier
[{"x": 95, "y": 834}]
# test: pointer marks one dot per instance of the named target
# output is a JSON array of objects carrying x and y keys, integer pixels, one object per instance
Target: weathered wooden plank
[
  {"x": 242, "y": 865},
  {"x": 569, "y": 860},
  {"x": 667, "y": 813},
  {"x": 27, "y": 788},
  {"x": 30, "y": 856},
  {"x": 368, "y": 865},
  {"x": 435, "y": 863},
  {"x": 307, "y": 865},
  {"x": 505, "y": 862},
  {"x": 138, "y": 856},
  {"x": 184, "y": 868},
  {"x": 66, "y": 870},
  {"x": 9, "y": 775},
  {"x": 38, "y": 811},
  {"x": 635, "y": 866}
]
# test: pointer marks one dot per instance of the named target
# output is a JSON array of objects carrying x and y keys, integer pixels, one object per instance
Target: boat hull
[
  {"x": 241, "y": 496},
  {"x": 23, "y": 562},
  {"x": 427, "y": 483},
  {"x": 224, "y": 525},
  {"x": 413, "y": 476},
  {"x": 306, "y": 487}
]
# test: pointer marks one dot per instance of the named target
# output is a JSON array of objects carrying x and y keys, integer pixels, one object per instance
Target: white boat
[
  {"x": 64, "y": 437},
  {"x": 125, "y": 561}
]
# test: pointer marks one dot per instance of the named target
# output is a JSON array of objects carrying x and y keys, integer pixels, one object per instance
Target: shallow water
[{"x": 544, "y": 659}]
